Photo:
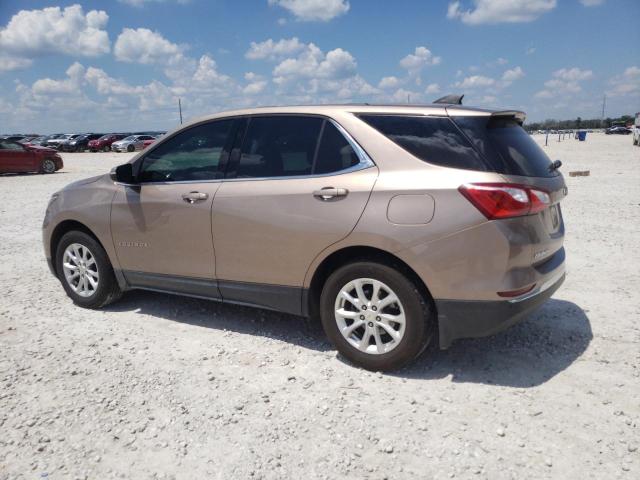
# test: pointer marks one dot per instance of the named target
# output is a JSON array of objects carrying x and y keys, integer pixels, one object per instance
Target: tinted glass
[
  {"x": 190, "y": 155},
  {"x": 8, "y": 145},
  {"x": 335, "y": 152},
  {"x": 278, "y": 146},
  {"x": 432, "y": 139},
  {"x": 506, "y": 146}
]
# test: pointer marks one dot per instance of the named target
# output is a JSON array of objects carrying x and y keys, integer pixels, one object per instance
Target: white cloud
[
  {"x": 530, "y": 50},
  {"x": 422, "y": 57},
  {"x": 475, "y": 81},
  {"x": 432, "y": 88},
  {"x": 314, "y": 10},
  {"x": 511, "y": 75},
  {"x": 591, "y": 3},
  {"x": 389, "y": 82},
  {"x": 500, "y": 11},
  {"x": 34, "y": 33},
  {"x": 144, "y": 46},
  {"x": 273, "y": 50},
  {"x": 565, "y": 81},
  {"x": 313, "y": 63},
  {"x": 626, "y": 84},
  {"x": 8, "y": 63}
]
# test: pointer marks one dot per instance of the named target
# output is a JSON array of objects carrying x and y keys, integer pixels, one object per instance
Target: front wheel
[
  {"x": 130, "y": 148},
  {"x": 375, "y": 316},
  {"x": 85, "y": 271},
  {"x": 106, "y": 148},
  {"x": 48, "y": 166}
]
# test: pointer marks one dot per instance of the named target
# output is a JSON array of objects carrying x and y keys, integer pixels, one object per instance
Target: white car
[
  {"x": 130, "y": 143},
  {"x": 636, "y": 130}
]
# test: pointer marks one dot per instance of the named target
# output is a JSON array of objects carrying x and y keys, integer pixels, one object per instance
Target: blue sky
[{"x": 122, "y": 65}]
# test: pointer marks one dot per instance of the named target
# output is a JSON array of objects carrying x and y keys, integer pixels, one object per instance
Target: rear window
[
  {"x": 506, "y": 146},
  {"x": 432, "y": 139}
]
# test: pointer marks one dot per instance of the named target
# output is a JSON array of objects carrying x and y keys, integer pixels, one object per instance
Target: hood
[{"x": 85, "y": 181}]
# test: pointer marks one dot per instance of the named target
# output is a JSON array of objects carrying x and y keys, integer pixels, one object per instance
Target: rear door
[
  {"x": 161, "y": 226},
  {"x": 294, "y": 186}
]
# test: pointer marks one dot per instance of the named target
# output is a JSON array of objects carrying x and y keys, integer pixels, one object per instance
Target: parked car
[
  {"x": 388, "y": 223},
  {"x": 131, "y": 143},
  {"x": 146, "y": 143},
  {"x": 104, "y": 142},
  {"x": 636, "y": 130},
  {"x": 55, "y": 139},
  {"x": 63, "y": 144},
  {"x": 617, "y": 131},
  {"x": 18, "y": 158},
  {"x": 80, "y": 143}
]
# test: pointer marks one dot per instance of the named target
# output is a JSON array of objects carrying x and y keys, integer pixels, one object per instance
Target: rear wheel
[
  {"x": 106, "y": 148},
  {"x": 375, "y": 316},
  {"x": 130, "y": 148},
  {"x": 85, "y": 271},
  {"x": 48, "y": 166}
]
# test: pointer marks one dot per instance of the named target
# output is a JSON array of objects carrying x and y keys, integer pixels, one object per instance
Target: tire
[
  {"x": 383, "y": 352},
  {"x": 130, "y": 148},
  {"x": 106, "y": 148},
  {"x": 106, "y": 290},
  {"x": 48, "y": 166}
]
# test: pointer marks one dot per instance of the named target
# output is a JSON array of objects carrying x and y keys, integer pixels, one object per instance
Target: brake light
[{"x": 505, "y": 200}]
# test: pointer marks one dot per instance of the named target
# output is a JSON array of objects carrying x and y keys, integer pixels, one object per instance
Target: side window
[
  {"x": 434, "y": 140},
  {"x": 278, "y": 146},
  {"x": 8, "y": 145},
  {"x": 335, "y": 152},
  {"x": 193, "y": 154}
]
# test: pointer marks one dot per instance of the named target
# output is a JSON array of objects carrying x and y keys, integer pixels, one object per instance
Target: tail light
[{"x": 505, "y": 200}]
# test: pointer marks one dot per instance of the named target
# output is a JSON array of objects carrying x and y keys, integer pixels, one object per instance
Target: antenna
[{"x": 180, "y": 109}]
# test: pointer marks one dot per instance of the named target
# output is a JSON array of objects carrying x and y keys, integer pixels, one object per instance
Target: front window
[
  {"x": 11, "y": 146},
  {"x": 192, "y": 154}
]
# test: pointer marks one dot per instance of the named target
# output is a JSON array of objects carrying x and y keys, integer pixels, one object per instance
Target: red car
[
  {"x": 104, "y": 142},
  {"x": 18, "y": 158},
  {"x": 146, "y": 143}
]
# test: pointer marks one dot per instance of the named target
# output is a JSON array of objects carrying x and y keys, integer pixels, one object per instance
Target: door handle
[
  {"x": 328, "y": 193},
  {"x": 193, "y": 197}
]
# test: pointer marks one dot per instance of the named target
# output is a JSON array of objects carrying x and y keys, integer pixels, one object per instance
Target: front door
[
  {"x": 161, "y": 226},
  {"x": 14, "y": 158},
  {"x": 294, "y": 187}
]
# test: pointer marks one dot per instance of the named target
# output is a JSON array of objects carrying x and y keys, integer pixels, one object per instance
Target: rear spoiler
[{"x": 518, "y": 115}]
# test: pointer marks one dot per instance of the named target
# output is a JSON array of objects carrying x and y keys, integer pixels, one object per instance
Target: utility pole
[
  {"x": 180, "y": 109},
  {"x": 604, "y": 103}
]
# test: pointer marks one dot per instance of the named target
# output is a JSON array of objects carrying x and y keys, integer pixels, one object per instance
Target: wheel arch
[
  {"x": 61, "y": 229},
  {"x": 353, "y": 254}
]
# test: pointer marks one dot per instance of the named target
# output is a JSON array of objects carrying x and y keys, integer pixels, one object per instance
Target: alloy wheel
[
  {"x": 48, "y": 166},
  {"x": 370, "y": 316},
  {"x": 80, "y": 270}
]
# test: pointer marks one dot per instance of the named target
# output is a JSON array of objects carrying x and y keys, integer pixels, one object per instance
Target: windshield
[
  {"x": 129, "y": 139},
  {"x": 506, "y": 146}
]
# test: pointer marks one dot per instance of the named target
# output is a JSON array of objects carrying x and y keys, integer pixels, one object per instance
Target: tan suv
[{"x": 392, "y": 224}]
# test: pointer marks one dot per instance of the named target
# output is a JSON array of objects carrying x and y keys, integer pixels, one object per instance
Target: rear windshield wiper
[{"x": 555, "y": 165}]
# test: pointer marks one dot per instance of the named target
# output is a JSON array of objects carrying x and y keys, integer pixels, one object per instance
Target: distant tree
[{"x": 578, "y": 122}]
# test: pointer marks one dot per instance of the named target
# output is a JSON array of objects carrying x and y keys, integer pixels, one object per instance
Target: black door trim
[{"x": 281, "y": 298}]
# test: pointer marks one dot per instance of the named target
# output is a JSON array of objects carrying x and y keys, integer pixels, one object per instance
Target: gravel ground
[{"x": 168, "y": 387}]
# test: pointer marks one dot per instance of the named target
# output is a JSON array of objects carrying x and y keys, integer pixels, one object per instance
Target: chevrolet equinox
[{"x": 394, "y": 225}]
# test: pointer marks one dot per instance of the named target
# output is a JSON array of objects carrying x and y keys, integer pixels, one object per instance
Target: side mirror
[{"x": 123, "y": 174}]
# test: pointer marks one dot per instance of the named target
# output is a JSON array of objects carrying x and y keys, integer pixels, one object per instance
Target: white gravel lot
[{"x": 157, "y": 386}]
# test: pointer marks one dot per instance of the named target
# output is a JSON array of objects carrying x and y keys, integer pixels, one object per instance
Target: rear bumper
[{"x": 472, "y": 319}]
